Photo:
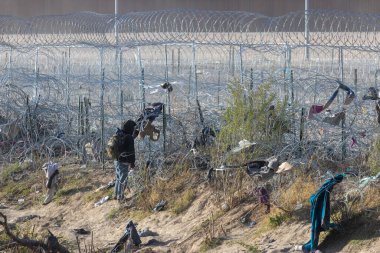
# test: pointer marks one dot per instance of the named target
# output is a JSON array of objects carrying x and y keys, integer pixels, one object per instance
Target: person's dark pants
[{"x": 121, "y": 170}]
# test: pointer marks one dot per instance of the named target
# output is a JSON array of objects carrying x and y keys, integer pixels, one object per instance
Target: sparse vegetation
[
  {"x": 10, "y": 179},
  {"x": 184, "y": 201},
  {"x": 253, "y": 115},
  {"x": 298, "y": 193},
  {"x": 373, "y": 158},
  {"x": 277, "y": 220},
  {"x": 249, "y": 248},
  {"x": 210, "y": 243}
]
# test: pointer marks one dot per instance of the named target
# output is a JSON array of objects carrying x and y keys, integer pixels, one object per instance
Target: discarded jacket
[
  {"x": 320, "y": 212},
  {"x": 144, "y": 122},
  {"x": 130, "y": 231}
]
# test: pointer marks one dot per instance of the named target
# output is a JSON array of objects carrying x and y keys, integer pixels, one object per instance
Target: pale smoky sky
[{"x": 28, "y": 8}]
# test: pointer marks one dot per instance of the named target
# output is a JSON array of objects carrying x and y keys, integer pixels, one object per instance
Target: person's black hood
[{"x": 129, "y": 127}]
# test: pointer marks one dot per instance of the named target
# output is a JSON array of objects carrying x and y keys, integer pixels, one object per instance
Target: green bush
[
  {"x": 254, "y": 115},
  {"x": 277, "y": 220}
]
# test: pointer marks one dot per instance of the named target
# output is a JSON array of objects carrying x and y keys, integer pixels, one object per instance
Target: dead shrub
[{"x": 298, "y": 193}]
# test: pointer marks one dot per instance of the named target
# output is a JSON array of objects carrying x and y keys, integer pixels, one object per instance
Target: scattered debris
[
  {"x": 130, "y": 231},
  {"x": 107, "y": 186},
  {"x": 153, "y": 242},
  {"x": 167, "y": 86},
  {"x": 160, "y": 206},
  {"x": 51, "y": 172},
  {"x": 243, "y": 144},
  {"x": 26, "y": 218},
  {"x": 259, "y": 168},
  {"x": 298, "y": 206},
  {"x": 146, "y": 233},
  {"x": 285, "y": 166},
  {"x": 365, "y": 181},
  {"x": 102, "y": 201},
  {"x": 263, "y": 196},
  {"x": 225, "y": 207},
  {"x": 20, "y": 201},
  {"x": 3, "y": 206},
  {"x": 246, "y": 220},
  {"x": 81, "y": 231}
]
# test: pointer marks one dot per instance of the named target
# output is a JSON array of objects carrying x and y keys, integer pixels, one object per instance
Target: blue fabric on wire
[{"x": 320, "y": 212}]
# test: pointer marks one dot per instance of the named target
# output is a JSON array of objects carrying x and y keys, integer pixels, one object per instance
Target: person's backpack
[{"x": 115, "y": 143}]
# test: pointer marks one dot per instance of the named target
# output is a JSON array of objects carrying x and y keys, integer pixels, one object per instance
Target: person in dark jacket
[{"x": 126, "y": 160}]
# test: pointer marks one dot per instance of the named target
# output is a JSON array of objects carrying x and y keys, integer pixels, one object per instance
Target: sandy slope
[{"x": 177, "y": 233}]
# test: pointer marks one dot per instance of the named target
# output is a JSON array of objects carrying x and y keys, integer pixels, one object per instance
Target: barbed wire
[
  {"x": 53, "y": 62},
  {"x": 327, "y": 28}
]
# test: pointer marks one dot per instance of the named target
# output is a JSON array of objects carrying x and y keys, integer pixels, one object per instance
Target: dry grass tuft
[
  {"x": 298, "y": 193},
  {"x": 169, "y": 190},
  {"x": 184, "y": 201}
]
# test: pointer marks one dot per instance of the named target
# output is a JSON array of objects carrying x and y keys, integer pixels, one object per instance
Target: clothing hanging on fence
[
  {"x": 372, "y": 94},
  {"x": 150, "y": 130},
  {"x": 335, "y": 119},
  {"x": 315, "y": 109},
  {"x": 151, "y": 112},
  {"x": 320, "y": 212},
  {"x": 144, "y": 122}
]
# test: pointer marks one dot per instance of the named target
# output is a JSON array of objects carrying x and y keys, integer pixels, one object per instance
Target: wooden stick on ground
[{"x": 51, "y": 244}]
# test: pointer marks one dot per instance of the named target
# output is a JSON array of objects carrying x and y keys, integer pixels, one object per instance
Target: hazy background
[{"x": 27, "y": 8}]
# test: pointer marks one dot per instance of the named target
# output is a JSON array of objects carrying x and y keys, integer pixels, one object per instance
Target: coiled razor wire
[
  {"x": 49, "y": 64},
  {"x": 327, "y": 28}
]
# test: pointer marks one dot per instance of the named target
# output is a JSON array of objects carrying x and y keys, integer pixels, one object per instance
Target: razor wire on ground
[{"x": 68, "y": 81}]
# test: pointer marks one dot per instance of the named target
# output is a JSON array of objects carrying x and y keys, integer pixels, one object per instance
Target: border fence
[{"x": 83, "y": 74}]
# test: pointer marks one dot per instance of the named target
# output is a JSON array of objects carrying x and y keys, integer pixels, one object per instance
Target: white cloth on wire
[{"x": 50, "y": 168}]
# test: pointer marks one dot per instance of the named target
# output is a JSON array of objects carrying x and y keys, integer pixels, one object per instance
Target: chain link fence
[{"x": 81, "y": 75}]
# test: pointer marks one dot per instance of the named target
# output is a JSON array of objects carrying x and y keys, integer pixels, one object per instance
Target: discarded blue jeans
[{"x": 121, "y": 170}]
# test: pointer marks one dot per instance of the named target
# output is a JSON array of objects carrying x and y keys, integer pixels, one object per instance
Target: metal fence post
[
  {"x": 241, "y": 64},
  {"x": 307, "y": 35},
  {"x": 120, "y": 78},
  {"x": 142, "y": 90},
  {"x": 102, "y": 117},
  {"x": 36, "y": 70}
]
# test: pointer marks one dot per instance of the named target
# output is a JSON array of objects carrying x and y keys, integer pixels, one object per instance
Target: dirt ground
[{"x": 184, "y": 232}]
